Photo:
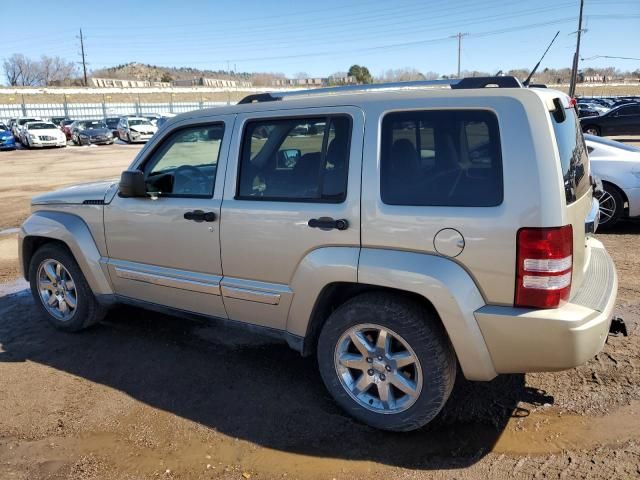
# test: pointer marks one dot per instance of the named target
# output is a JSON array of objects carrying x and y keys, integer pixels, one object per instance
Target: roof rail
[
  {"x": 259, "y": 97},
  {"x": 488, "y": 82},
  {"x": 454, "y": 83}
]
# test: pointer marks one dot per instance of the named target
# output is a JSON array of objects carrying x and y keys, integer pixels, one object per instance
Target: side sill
[{"x": 295, "y": 342}]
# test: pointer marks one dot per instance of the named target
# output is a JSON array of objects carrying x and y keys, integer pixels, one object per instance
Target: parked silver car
[
  {"x": 618, "y": 166},
  {"x": 395, "y": 233}
]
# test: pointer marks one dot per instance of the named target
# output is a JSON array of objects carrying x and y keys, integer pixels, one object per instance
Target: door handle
[
  {"x": 328, "y": 223},
  {"x": 200, "y": 216}
]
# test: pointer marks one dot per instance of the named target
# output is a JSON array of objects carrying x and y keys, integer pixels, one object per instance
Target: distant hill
[{"x": 155, "y": 73}]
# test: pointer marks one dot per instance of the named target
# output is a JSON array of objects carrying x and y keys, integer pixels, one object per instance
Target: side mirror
[{"x": 132, "y": 184}]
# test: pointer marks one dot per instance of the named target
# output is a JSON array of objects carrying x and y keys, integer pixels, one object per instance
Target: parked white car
[
  {"x": 594, "y": 106},
  {"x": 618, "y": 165},
  {"x": 42, "y": 134},
  {"x": 135, "y": 129}
]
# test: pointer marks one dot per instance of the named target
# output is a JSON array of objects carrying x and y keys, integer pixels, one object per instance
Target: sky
[{"x": 320, "y": 38}]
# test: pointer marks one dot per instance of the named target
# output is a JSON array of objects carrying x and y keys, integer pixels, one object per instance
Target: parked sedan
[
  {"x": 42, "y": 134},
  {"x": 18, "y": 126},
  {"x": 594, "y": 106},
  {"x": 618, "y": 165},
  {"x": 87, "y": 132},
  {"x": 112, "y": 123},
  {"x": 622, "y": 120},
  {"x": 135, "y": 129},
  {"x": 7, "y": 140},
  {"x": 65, "y": 126}
]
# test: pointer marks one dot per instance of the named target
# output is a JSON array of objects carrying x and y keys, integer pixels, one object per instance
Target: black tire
[
  {"x": 592, "y": 130},
  {"x": 88, "y": 311},
  {"x": 424, "y": 333},
  {"x": 613, "y": 201}
]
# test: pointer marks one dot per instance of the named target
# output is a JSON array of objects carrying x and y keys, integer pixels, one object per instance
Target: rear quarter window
[
  {"x": 574, "y": 159},
  {"x": 441, "y": 158}
]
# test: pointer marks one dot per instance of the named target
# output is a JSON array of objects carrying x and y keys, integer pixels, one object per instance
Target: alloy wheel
[
  {"x": 378, "y": 368},
  {"x": 57, "y": 290},
  {"x": 607, "y": 207}
]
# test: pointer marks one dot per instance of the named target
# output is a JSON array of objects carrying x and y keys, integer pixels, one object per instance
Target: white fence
[{"x": 97, "y": 110}]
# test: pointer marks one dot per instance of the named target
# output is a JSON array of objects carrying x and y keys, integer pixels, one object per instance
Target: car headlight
[
  {"x": 32, "y": 136},
  {"x": 134, "y": 133},
  {"x": 84, "y": 135}
]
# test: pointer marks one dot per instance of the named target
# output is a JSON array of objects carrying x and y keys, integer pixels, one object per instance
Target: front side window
[
  {"x": 299, "y": 159},
  {"x": 186, "y": 162},
  {"x": 441, "y": 158}
]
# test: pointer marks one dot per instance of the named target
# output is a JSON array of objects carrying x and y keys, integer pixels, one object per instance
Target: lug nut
[
  {"x": 387, "y": 368},
  {"x": 369, "y": 360},
  {"x": 379, "y": 357},
  {"x": 370, "y": 371},
  {"x": 382, "y": 377}
]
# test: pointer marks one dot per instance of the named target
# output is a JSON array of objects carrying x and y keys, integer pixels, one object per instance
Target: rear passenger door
[{"x": 292, "y": 187}]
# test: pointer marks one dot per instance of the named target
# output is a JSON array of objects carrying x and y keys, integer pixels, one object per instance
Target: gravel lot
[{"x": 146, "y": 396}]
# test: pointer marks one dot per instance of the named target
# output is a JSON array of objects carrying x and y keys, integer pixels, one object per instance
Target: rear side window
[
  {"x": 441, "y": 158},
  {"x": 573, "y": 154}
]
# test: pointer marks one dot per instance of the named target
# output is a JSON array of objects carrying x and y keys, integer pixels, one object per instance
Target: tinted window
[
  {"x": 441, "y": 158},
  {"x": 631, "y": 110},
  {"x": 302, "y": 159},
  {"x": 573, "y": 155},
  {"x": 185, "y": 164}
]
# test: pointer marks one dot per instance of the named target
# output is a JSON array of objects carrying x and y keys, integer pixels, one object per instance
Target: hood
[
  {"x": 52, "y": 132},
  {"x": 144, "y": 128},
  {"x": 91, "y": 193},
  {"x": 95, "y": 131}
]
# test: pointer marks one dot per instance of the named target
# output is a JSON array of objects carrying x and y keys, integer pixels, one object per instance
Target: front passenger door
[{"x": 165, "y": 249}]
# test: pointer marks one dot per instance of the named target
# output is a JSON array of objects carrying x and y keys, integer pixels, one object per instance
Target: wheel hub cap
[
  {"x": 378, "y": 368},
  {"x": 57, "y": 290}
]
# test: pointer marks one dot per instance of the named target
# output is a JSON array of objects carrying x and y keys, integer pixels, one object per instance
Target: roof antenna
[{"x": 526, "y": 82}]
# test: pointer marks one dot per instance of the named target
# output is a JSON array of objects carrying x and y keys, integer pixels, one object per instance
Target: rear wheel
[
  {"x": 387, "y": 361},
  {"x": 61, "y": 291},
  {"x": 611, "y": 206},
  {"x": 592, "y": 130}
]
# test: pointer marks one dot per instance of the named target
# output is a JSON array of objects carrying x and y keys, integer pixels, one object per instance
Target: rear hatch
[{"x": 577, "y": 184}]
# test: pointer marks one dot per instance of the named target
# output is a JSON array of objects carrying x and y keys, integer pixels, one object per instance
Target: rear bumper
[{"x": 523, "y": 340}]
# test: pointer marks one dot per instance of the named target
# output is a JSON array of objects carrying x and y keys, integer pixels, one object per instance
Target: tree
[
  {"x": 361, "y": 73},
  {"x": 166, "y": 78},
  {"x": 55, "y": 70},
  {"x": 20, "y": 71}
]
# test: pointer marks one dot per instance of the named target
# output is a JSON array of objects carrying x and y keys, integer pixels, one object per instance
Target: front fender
[
  {"x": 75, "y": 234},
  {"x": 448, "y": 287}
]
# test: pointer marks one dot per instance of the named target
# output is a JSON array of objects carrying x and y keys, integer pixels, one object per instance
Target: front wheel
[
  {"x": 61, "y": 291},
  {"x": 387, "y": 361}
]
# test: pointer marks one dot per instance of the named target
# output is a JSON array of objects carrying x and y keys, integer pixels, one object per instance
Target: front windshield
[
  {"x": 93, "y": 124},
  {"x": 136, "y": 121},
  {"x": 22, "y": 121},
  {"x": 41, "y": 126}
]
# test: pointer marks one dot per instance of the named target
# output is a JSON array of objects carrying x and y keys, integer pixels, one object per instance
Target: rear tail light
[{"x": 544, "y": 266}]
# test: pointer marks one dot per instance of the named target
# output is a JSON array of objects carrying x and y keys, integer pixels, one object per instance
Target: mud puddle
[
  {"x": 541, "y": 433},
  {"x": 544, "y": 432}
]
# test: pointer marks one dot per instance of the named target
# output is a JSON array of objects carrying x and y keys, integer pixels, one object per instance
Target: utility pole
[
  {"x": 84, "y": 62},
  {"x": 459, "y": 36},
  {"x": 576, "y": 56}
]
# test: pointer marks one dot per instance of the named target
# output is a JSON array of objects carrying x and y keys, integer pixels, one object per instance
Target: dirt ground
[{"x": 147, "y": 396}]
